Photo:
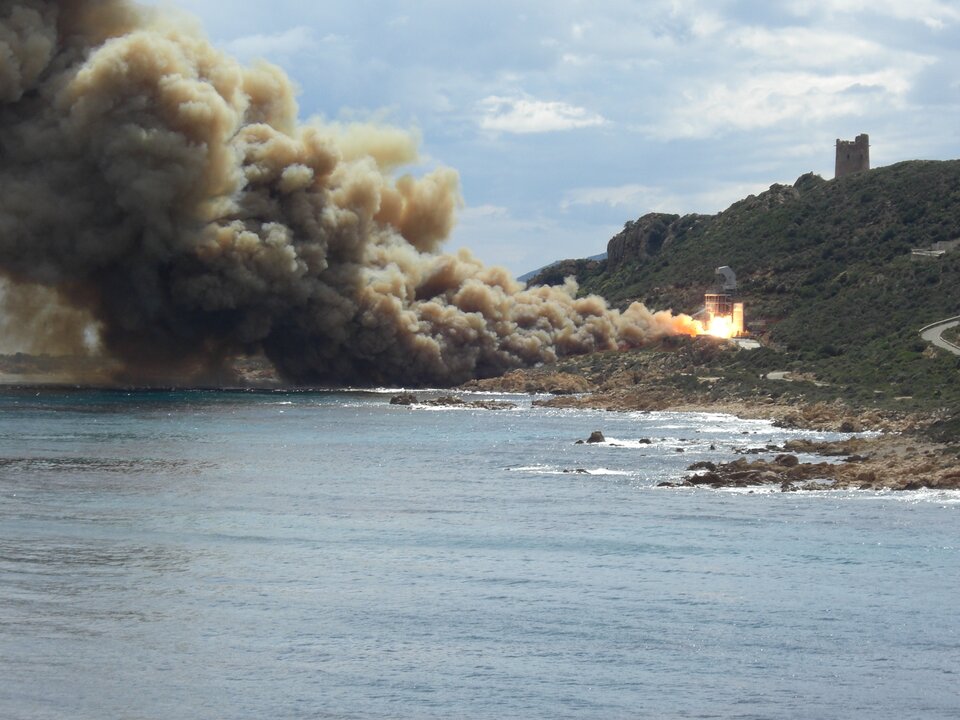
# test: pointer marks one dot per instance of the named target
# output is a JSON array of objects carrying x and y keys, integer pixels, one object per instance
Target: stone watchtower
[{"x": 853, "y": 156}]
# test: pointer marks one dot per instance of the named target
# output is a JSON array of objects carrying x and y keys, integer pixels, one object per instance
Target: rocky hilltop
[{"x": 832, "y": 287}]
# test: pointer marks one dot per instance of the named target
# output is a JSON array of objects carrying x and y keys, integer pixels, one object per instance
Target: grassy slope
[{"x": 828, "y": 265}]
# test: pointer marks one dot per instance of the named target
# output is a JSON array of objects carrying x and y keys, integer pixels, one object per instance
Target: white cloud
[
  {"x": 480, "y": 212},
  {"x": 699, "y": 102},
  {"x": 636, "y": 199},
  {"x": 523, "y": 242},
  {"x": 719, "y": 198},
  {"x": 631, "y": 196},
  {"x": 934, "y": 14},
  {"x": 704, "y": 25},
  {"x": 576, "y": 60},
  {"x": 577, "y": 30},
  {"x": 766, "y": 101},
  {"x": 527, "y": 115},
  {"x": 282, "y": 44},
  {"x": 797, "y": 47}
]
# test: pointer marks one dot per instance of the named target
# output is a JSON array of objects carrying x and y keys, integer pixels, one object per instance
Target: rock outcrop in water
[
  {"x": 451, "y": 401},
  {"x": 885, "y": 464},
  {"x": 683, "y": 376}
]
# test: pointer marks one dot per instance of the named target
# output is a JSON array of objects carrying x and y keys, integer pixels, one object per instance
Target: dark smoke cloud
[{"x": 168, "y": 195}]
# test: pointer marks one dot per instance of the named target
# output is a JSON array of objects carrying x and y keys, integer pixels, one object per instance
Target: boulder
[
  {"x": 787, "y": 460},
  {"x": 850, "y": 425},
  {"x": 596, "y": 437},
  {"x": 709, "y": 478}
]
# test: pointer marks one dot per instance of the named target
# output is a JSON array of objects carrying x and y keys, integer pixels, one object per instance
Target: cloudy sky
[{"x": 567, "y": 118}]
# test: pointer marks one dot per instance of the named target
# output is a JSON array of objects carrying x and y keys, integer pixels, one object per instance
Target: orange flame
[
  {"x": 721, "y": 327},
  {"x": 718, "y": 327}
]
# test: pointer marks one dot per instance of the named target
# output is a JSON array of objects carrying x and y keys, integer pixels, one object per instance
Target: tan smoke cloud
[
  {"x": 35, "y": 319},
  {"x": 152, "y": 183}
]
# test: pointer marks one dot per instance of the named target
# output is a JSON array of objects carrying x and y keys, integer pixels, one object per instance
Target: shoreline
[
  {"x": 891, "y": 460},
  {"x": 898, "y": 458}
]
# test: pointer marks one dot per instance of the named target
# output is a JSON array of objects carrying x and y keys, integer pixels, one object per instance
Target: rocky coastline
[
  {"x": 881, "y": 463},
  {"x": 894, "y": 454}
]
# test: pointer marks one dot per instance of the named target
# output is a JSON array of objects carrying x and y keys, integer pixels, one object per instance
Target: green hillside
[{"x": 825, "y": 265}]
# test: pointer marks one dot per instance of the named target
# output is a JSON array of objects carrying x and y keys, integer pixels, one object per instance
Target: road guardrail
[{"x": 942, "y": 322}]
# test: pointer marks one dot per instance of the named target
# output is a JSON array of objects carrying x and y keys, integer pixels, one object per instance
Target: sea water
[{"x": 301, "y": 555}]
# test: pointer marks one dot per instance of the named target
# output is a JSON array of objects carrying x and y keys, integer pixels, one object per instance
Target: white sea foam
[
  {"x": 460, "y": 408},
  {"x": 756, "y": 490},
  {"x": 924, "y": 495},
  {"x": 554, "y": 470}
]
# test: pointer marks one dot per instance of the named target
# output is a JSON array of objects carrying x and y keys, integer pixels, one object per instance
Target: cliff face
[
  {"x": 641, "y": 239},
  {"x": 645, "y": 237}
]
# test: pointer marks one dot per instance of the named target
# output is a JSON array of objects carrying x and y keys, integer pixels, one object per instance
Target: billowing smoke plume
[{"x": 167, "y": 193}]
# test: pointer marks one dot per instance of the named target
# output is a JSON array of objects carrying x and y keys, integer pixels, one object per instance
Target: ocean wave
[
  {"x": 461, "y": 408},
  {"x": 555, "y": 470}
]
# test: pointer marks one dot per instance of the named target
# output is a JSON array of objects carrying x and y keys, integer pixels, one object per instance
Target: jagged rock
[
  {"x": 829, "y": 449},
  {"x": 710, "y": 478},
  {"x": 451, "y": 401},
  {"x": 491, "y": 405},
  {"x": 596, "y": 437},
  {"x": 744, "y": 474},
  {"x": 642, "y": 238},
  {"x": 856, "y": 458},
  {"x": 798, "y": 472}
]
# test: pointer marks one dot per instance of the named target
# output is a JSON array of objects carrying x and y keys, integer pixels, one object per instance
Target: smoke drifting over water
[{"x": 158, "y": 188}]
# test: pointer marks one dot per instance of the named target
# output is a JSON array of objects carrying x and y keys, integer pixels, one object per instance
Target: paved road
[{"x": 934, "y": 334}]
